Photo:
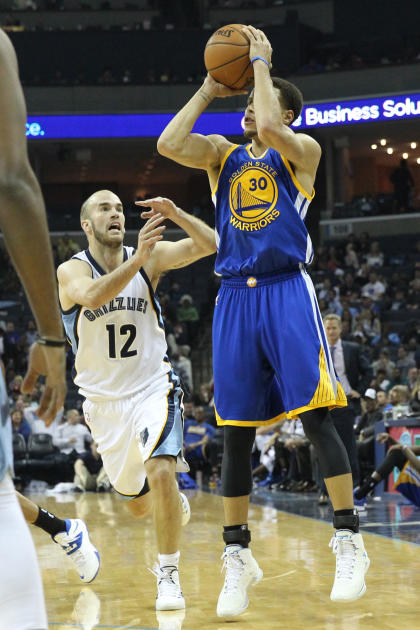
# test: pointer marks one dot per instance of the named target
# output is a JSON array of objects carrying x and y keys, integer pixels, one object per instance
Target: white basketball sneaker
[
  {"x": 352, "y": 563},
  {"x": 169, "y": 594},
  {"x": 170, "y": 619},
  {"x": 76, "y": 544},
  {"x": 242, "y": 570},
  {"x": 186, "y": 510}
]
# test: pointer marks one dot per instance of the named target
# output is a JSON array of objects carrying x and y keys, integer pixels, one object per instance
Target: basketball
[{"x": 226, "y": 57}]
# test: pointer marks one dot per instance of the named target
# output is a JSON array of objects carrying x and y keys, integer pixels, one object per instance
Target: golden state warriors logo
[{"x": 253, "y": 197}]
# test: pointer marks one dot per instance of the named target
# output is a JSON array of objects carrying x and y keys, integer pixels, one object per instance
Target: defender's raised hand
[
  {"x": 149, "y": 235},
  {"x": 158, "y": 205}
]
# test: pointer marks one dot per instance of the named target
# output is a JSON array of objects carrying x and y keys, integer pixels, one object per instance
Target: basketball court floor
[{"x": 290, "y": 540}]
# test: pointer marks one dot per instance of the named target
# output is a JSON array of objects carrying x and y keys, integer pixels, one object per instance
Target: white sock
[{"x": 169, "y": 559}]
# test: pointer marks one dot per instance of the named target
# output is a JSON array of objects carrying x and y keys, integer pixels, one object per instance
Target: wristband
[
  {"x": 262, "y": 59},
  {"x": 53, "y": 343}
]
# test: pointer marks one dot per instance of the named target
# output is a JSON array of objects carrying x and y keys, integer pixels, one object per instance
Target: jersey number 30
[{"x": 125, "y": 329}]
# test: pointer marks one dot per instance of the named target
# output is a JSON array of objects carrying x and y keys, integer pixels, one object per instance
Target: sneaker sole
[
  {"x": 254, "y": 582},
  {"x": 175, "y": 606},
  {"x": 359, "y": 595},
  {"x": 97, "y": 570}
]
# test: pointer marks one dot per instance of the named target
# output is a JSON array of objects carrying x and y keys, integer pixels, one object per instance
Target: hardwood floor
[{"x": 293, "y": 552}]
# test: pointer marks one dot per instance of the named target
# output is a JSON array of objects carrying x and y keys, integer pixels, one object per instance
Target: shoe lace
[
  {"x": 345, "y": 551},
  {"x": 167, "y": 585},
  {"x": 234, "y": 566}
]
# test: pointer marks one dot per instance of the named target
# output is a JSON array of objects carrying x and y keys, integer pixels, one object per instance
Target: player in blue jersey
[
  {"x": 270, "y": 355},
  {"x": 24, "y": 226}
]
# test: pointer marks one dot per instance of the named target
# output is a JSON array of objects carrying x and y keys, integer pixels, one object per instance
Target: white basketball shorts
[{"x": 130, "y": 430}]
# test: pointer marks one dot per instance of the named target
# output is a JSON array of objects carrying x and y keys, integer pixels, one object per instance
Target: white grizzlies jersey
[{"x": 120, "y": 348}]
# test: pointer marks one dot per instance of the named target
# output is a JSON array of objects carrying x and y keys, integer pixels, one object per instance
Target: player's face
[{"x": 108, "y": 221}]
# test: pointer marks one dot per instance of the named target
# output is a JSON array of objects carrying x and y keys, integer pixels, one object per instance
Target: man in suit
[{"x": 353, "y": 370}]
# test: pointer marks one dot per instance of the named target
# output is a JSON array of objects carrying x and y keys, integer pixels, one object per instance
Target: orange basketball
[{"x": 226, "y": 57}]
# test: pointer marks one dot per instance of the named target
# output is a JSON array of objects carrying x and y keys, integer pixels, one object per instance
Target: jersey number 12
[{"x": 125, "y": 329}]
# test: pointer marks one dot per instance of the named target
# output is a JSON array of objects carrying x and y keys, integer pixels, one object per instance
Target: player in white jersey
[
  {"x": 133, "y": 403},
  {"x": 24, "y": 226}
]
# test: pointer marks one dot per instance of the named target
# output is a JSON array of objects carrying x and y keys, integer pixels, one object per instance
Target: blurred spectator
[
  {"x": 403, "y": 182},
  {"x": 351, "y": 259},
  {"x": 397, "y": 456},
  {"x": 399, "y": 397},
  {"x": 399, "y": 300},
  {"x": 382, "y": 401},
  {"x": 365, "y": 430},
  {"x": 12, "y": 336},
  {"x": 20, "y": 425},
  {"x": 413, "y": 378},
  {"x": 66, "y": 247},
  {"x": 371, "y": 324},
  {"x": 89, "y": 471},
  {"x": 187, "y": 313},
  {"x": 72, "y": 435},
  {"x": 413, "y": 296},
  {"x": 384, "y": 363},
  {"x": 404, "y": 362},
  {"x": 374, "y": 288},
  {"x": 375, "y": 258},
  {"x": 126, "y": 78},
  {"x": 185, "y": 362},
  {"x": 107, "y": 78},
  {"x": 198, "y": 435},
  {"x": 31, "y": 332}
]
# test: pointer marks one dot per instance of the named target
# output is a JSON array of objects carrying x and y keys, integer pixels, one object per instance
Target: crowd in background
[
  {"x": 320, "y": 54},
  {"x": 374, "y": 294}
]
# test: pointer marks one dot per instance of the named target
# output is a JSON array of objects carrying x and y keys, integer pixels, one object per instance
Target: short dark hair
[{"x": 290, "y": 95}]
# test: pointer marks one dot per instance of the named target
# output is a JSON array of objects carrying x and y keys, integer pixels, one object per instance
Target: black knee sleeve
[
  {"x": 330, "y": 450},
  {"x": 236, "y": 464}
]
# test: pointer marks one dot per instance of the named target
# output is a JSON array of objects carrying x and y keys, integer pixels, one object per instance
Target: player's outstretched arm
[
  {"x": 24, "y": 226},
  {"x": 172, "y": 255},
  {"x": 76, "y": 285},
  {"x": 192, "y": 149},
  {"x": 273, "y": 123}
]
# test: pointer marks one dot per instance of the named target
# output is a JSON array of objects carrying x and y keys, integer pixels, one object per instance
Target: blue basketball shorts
[{"x": 271, "y": 359}]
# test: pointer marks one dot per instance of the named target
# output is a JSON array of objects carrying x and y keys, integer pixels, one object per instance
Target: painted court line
[
  {"x": 78, "y": 625},
  {"x": 275, "y": 577}
]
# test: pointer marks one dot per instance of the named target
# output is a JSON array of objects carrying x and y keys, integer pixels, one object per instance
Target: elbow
[
  {"x": 165, "y": 147},
  {"x": 209, "y": 249}
]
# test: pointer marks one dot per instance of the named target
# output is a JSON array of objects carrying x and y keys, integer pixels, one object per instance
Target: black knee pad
[
  {"x": 320, "y": 430},
  {"x": 236, "y": 464}
]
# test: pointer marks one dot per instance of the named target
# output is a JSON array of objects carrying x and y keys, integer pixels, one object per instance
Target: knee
[
  {"x": 161, "y": 473},
  {"x": 142, "y": 506}
]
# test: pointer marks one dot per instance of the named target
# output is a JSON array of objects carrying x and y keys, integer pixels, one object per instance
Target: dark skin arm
[{"x": 24, "y": 226}]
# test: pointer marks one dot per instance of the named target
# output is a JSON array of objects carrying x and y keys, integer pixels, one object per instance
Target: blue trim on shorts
[{"x": 172, "y": 437}]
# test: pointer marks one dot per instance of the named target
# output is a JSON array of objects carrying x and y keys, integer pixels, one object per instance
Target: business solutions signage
[{"x": 314, "y": 115}]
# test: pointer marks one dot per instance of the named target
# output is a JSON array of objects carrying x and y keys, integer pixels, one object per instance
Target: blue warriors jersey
[{"x": 260, "y": 214}]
